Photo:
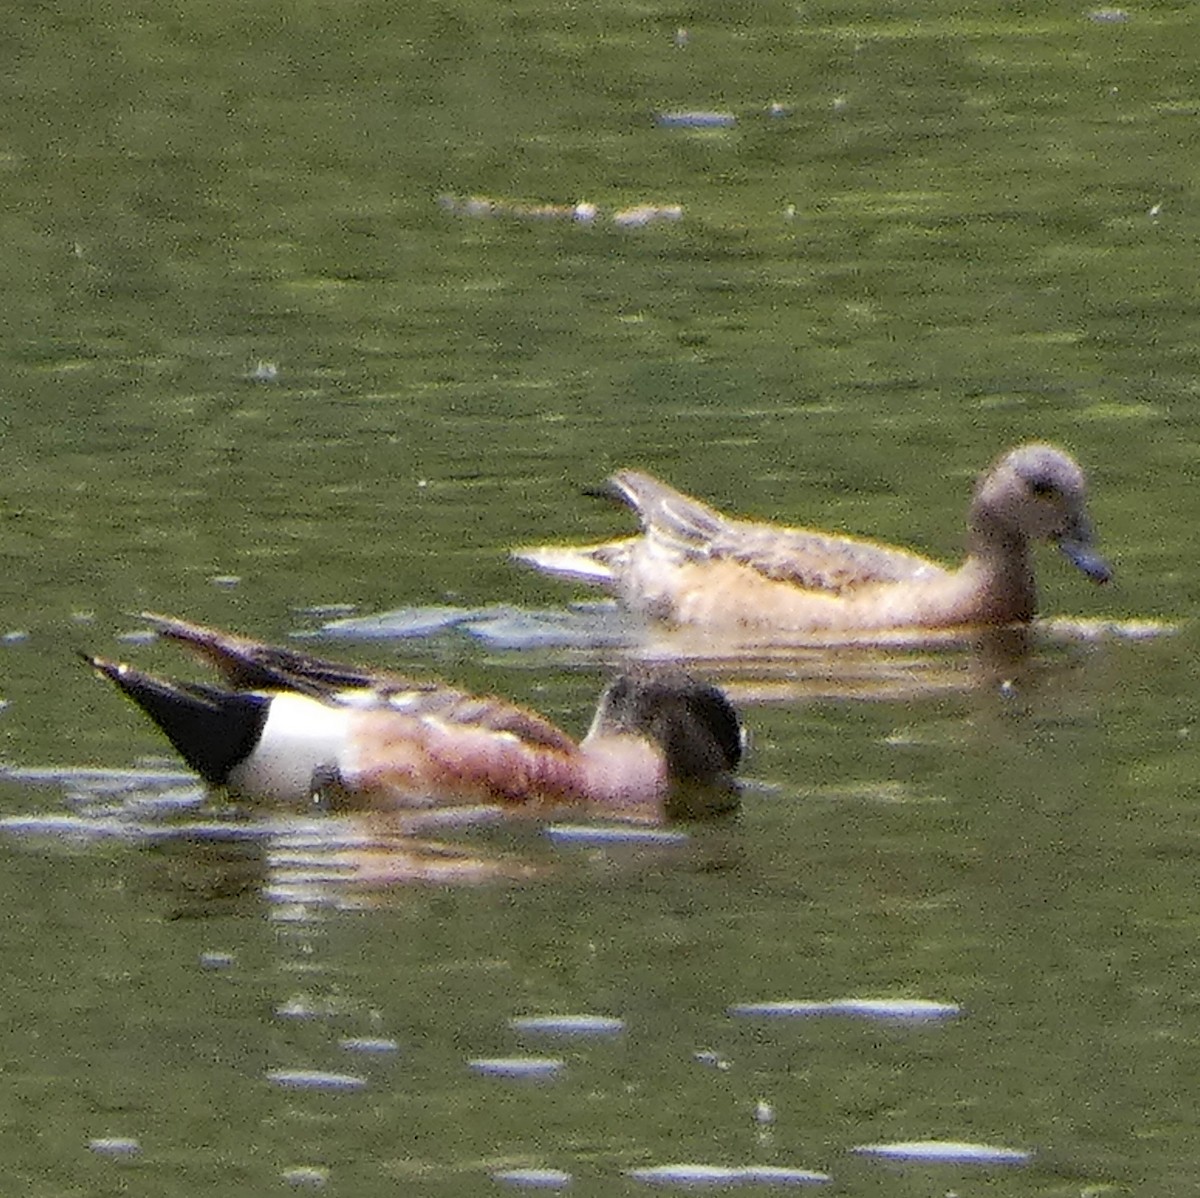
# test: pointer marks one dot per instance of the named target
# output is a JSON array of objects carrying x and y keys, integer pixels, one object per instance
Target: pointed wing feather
[
  {"x": 481, "y": 711},
  {"x": 246, "y": 664},
  {"x": 818, "y": 561},
  {"x": 683, "y": 526}
]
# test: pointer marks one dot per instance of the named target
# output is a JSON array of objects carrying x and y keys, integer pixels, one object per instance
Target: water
[{"x": 260, "y": 373}]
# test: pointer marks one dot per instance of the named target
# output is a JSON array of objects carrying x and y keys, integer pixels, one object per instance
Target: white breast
[{"x": 302, "y": 738}]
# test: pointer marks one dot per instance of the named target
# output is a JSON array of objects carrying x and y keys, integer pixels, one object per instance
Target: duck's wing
[
  {"x": 678, "y": 529},
  {"x": 248, "y": 665},
  {"x": 682, "y": 526},
  {"x": 496, "y": 714},
  {"x": 818, "y": 561},
  {"x": 679, "y": 526}
]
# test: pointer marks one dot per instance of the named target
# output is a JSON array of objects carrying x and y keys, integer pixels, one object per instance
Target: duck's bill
[{"x": 1084, "y": 557}]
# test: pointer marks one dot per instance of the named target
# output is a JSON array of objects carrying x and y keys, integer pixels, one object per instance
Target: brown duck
[{"x": 694, "y": 566}]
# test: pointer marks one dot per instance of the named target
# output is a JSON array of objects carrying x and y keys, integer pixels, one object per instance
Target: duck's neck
[
  {"x": 623, "y": 775},
  {"x": 1001, "y": 570}
]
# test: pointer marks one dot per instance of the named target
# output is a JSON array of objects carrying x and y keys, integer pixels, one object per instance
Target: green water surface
[{"x": 255, "y": 372}]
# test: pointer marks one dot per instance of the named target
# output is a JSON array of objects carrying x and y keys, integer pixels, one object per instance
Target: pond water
[{"x": 315, "y": 312}]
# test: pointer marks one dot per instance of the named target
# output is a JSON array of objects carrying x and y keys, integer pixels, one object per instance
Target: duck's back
[
  {"x": 690, "y": 530},
  {"x": 248, "y": 665},
  {"x": 692, "y": 565}
]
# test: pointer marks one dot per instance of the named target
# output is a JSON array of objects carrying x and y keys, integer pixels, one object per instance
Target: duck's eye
[{"x": 1043, "y": 489}]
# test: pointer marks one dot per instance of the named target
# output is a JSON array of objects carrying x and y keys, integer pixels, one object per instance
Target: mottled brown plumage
[
  {"x": 692, "y": 565},
  {"x": 247, "y": 664}
]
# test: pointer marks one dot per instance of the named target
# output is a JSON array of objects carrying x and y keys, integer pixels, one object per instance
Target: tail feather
[
  {"x": 247, "y": 665},
  {"x": 678, "y": 526},
  {"x": 661, "y": 507},
  {"x": 213, "y": 729},
  {"x": 579, "y": 563}
]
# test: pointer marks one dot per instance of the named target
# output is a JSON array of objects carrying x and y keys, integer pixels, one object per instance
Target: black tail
[{"x": 213, "y": 729}]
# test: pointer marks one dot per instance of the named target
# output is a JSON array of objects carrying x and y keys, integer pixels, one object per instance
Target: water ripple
[
  {"x": 568, "y": 1025},
  {"x": 696, "y": 1176},
  {"x": 586, "y": 834},
  {"x": 695, "y": 120},
  {"x": 535, "y": 1068},
  {"x": 583, "y": 625},
  {"x": 96, "y": 781},
  {"x": 315, "y": 1079},
  {"x": 118, "y": 827},
  {"x": 117, "y": 1147},
  {"x": 594, "y": 626},
  {"x": 945, "y": 1152},
  {"x": 375, "y": 1045},
  {"x": 534, "y": 1179},
  {"x": 308, "y": 1177},
  {"x": 893, "y": 1010},
  {"x": 397, "y": 625}
]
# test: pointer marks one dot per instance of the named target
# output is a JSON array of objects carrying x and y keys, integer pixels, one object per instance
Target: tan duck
[
  {"x": 694, "y": 566},
  {"x": 285, "y": 726}
]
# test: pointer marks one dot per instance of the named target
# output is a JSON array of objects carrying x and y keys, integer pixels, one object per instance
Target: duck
[
  {"x": 285, "y": 727},
  {"x": 694, "y": 566}
]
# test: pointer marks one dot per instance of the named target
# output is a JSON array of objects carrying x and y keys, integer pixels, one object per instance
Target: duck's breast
[{"x": 302, "y": 741}]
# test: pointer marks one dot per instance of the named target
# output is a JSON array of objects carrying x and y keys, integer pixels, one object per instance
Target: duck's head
[
  {"x": 1038, "y": 492},
  {"x": 693, "y": 723}
]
